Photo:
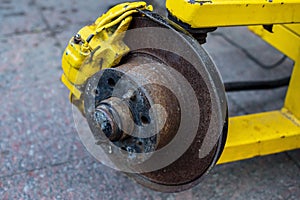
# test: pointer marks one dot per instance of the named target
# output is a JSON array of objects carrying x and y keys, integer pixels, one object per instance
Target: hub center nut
[
  {"x": 114, "y": 118},
  {"x": 106, "y": 121}
]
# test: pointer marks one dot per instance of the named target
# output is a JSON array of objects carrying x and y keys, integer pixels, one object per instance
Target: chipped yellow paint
[
  {"x": 101, "y": 46},
  {"x": 216, "y": 13}
]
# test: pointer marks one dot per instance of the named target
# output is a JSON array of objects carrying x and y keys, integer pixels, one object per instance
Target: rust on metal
[{"x": 137, "y": 84}]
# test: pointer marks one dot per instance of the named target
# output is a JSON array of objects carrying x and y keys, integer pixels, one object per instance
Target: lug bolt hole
[
  {"x": 123, "y": 148},
  {"x": 96, "y": 92},
  {"x": 140, "y": 143},
  {"x": 145, "y": 120},
  {"x": 133, "y": 98},
  {"x": 111, "y": 82}
]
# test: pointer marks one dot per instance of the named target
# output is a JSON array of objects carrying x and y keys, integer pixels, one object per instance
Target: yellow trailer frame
[{"x": 262, "y": 133}]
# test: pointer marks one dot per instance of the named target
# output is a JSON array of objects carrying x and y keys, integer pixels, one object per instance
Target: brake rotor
[{"x": 162, "y": 111}]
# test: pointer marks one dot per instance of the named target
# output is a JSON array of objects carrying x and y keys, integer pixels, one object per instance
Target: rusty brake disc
[{"x": 161, "y": 114}]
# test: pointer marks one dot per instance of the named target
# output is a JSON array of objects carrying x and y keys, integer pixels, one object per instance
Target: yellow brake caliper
[{"x": 96, "y": 47}]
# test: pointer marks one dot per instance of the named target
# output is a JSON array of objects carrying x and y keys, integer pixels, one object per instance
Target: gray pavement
[{"x": 41, "y": 156}]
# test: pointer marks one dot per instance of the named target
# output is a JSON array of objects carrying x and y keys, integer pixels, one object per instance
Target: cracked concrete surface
[{"x": 41, "y": 156}]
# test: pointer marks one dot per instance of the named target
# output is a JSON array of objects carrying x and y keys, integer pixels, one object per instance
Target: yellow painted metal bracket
[
  {"x": 217, "y": 13},
  {"x": 261, "y": 134},
  {"x": 271, "y": 132},
  {"x": 292, "y": 101},
  {"x": 285, "y": 38},
  {"x": 266, "y": 133}
]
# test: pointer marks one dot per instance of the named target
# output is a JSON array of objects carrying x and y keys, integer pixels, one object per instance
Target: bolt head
[
  {"x": 77, "y": 38},
  {"x": 106, "y": 123}
]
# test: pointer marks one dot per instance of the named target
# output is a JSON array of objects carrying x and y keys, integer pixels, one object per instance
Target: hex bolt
[
  {"x": 77, "y": 38},
  {"x": 105, "y": 122},
  {"x": 108, "y": 122}
]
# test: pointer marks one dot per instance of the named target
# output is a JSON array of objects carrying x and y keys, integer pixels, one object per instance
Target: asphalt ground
[{"x": 41, "y": 155}]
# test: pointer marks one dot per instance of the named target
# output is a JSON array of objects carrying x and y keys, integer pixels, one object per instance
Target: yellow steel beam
[
  {"x": 261, "y": 134},
  {"x": 216, "y": 13},
  {"x": 271, "y": 132},
  {"x": 284, "y": 38},
  {"x": 292, "y": 101},
  {"x": 295, "y": 28}
]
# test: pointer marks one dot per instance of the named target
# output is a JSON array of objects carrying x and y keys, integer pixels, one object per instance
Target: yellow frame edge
[
  {"x": 262, "y": 133},
  {"x": 218, "y": 13}
]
